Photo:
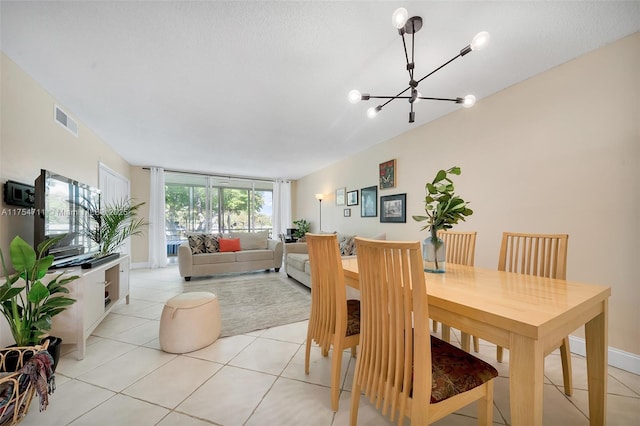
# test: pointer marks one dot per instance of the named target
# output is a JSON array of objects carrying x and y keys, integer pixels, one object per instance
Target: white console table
[{"x": 78, "y": 321}]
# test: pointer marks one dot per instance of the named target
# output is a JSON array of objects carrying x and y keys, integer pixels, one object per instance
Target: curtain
[
  {"x": 157, "y": 234},
  {"x": 281, "y": 207}
]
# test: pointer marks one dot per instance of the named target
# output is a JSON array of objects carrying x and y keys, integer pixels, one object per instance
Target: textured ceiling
[{"x": 259, "y": 88}]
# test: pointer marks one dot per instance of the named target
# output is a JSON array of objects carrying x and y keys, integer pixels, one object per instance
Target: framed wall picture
[
  {"x": 347, "y": 212},
  {"x": 341, "y": 196},
  {"x": 388, "y": 174},
  {"x": 393, "y": 208},
  {"x": 369, "y": 201},
  {"x": 352, "y": 198}
]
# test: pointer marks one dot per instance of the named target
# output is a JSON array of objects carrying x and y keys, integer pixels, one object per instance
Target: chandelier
[{"x": 406, "y": 25}]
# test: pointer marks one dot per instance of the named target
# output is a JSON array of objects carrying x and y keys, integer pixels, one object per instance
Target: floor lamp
[{"x": 319, "y": 197}]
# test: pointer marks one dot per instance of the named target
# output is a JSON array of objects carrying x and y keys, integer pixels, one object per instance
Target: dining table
[{"x": 527, "y": 314}]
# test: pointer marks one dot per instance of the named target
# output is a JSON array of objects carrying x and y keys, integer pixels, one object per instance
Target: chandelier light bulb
[
  {"x": 399, "y": 17},
  {"x": 480, "y": 41},
  {"x": 373, "y": 111},
  {"x": 469, "y": 101},
  {"x": 354, "y": 96}
]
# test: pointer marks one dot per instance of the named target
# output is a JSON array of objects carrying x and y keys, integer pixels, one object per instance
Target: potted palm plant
[
  {"x": 444, "y": 209},
  {"x": 115, "y": 223},
  {"x": 27, "y": 303}
]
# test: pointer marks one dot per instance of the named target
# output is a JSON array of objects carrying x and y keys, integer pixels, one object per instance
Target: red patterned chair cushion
[
  {"x": 353, "y": 317},
  {"x": 455, "y": 371}
]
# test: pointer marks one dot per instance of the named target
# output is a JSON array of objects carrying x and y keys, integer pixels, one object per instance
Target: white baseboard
[
  {"x": 620, "y": 359},
  {"x": 139, "y": 265}
]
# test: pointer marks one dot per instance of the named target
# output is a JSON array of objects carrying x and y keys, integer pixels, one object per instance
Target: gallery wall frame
[
  {"x": 393, "y": 208},
  {"x": 341, "y": 196},
  {"x": 387, "y": 174},
  {"x": 352, "y": 198},
  {"x": 369, "y": 201},
  {"x": 346, "y": 212}
]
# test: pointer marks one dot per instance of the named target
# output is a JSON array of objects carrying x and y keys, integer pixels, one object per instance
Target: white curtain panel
[
  {"x": 281, "y": 207},
  {"x": 157, "y": 235}
]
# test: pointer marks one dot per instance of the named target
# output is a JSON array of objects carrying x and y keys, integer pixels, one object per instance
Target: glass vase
[{"x": 433, "y": 254}]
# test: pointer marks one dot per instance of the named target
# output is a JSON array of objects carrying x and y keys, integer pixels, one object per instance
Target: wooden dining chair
[
  {"x": 334, "y": 320},
  {"x": 401, "y": 368},
  {"x": 460, "y": 248},
  {"x": 543, "y": 255}
]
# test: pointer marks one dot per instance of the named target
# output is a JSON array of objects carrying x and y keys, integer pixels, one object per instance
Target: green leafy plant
[
  {"x": 115, "y": 223},
  {"x": 25, "y": 301},
  {"x": 303, "y": 226},
  {"x": 443, "y": 208}
]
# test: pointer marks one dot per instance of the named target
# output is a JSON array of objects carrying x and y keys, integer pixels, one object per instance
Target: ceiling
[{"x": 259, "y": 88}]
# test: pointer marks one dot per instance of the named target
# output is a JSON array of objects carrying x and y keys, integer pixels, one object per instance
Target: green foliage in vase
[
  {"x": 303, "y": 226},
  {"x": 26, "y": 302},
  {"x": 443, "y": 208}
]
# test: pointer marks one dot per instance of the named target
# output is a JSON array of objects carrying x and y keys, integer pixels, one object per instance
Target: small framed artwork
[
  {"x": 393, "y": 208},
  {"x": 352, "y": 198},
  {"x": 369, "y": 201},
  {"x": 347, "y": 212},
  {"x": 341, "y": 196},
  {"x": 388, "y": 174}
]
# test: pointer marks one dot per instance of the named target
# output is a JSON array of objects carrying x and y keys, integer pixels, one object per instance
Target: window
[{"x": 210, "y": 204}]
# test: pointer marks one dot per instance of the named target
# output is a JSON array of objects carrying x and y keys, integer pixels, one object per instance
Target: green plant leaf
[
  {"x": 37, "y": 293},
  {"x": 22, "y": 255}
]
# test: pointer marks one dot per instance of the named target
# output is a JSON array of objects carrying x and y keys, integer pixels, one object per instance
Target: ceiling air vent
[{"x": 65, "y": 121}]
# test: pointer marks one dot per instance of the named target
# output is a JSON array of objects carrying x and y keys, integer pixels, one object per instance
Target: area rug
[{"x": 250, "y": 302}]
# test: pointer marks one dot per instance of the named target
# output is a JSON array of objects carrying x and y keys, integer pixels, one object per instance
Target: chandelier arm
[
  {"x": 406, "y": 55},
  {"x": 413, "y": 61},
  {"x": 441, "y": 66},
  {"x": 457, "y": 100}
]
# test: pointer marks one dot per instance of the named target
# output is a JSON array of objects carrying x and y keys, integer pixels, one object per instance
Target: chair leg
[
  {"x": 336, "y": 365},
  {"x": 355, "y": 400},
  {"x": 485, "y": 406},
  {"x": 307, "y": 355},
  {"x": 476, "y": 344},
  {"x": 464, "y": 341},
  {"x": 565, "y": 356},
  {"x": 446, "y": 333},
  {"x": 499, "y": 353}
]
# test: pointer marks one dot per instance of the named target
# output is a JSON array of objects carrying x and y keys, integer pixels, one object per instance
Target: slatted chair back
[
  {"x": 460, "y": 246},
  {"x": 542, "y": 255},
  {"x": 397, "y": 352}
]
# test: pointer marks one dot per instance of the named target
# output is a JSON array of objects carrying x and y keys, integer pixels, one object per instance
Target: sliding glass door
[{"x": 209, "y": 204}]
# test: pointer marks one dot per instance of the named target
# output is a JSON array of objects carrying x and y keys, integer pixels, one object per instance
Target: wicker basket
[{"x": 16, "y": 390}]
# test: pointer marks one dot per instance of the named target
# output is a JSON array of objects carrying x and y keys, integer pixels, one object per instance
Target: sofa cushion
[
  {"x": 347, "y": 244},
  {"x": 196, "y": 243},
  {"x": 252, "y": 240},
  {"x": 209, "y": 258},
  {"x": 252, "y": 255},
  {"x": 211, "y": 244},
  {"x": 229, "y": 244},
  {"x": 297, "y": 260}
]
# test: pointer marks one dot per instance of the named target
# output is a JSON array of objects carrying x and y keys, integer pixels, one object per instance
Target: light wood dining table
[{"x": 527, "y": 315}]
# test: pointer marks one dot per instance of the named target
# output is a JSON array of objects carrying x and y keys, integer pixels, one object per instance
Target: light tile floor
[{"x": 256, "y": 378}]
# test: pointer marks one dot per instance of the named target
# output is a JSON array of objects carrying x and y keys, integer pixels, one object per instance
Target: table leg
[
  {"x": 596, "y": 343},
  {"x": 526, "y": 380}
]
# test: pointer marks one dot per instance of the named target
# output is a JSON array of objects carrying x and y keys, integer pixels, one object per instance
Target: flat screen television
[{"x": 62, "y": 206}]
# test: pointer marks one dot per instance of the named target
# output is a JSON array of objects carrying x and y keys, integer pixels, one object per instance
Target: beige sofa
[
  {"x": 256, "y": 252},
  {"x": 296, "y": 256}
]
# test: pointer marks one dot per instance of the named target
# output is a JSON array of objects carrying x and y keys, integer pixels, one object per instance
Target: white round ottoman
[{"x": 189, "y": 321}]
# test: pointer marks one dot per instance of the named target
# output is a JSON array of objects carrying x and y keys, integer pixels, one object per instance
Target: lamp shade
[
  {"x": 480, "y": 41},
  {"x": 319, "y": 197},
  {"x": 399, "y": 17},
  {"x": 354, "y": 96}
]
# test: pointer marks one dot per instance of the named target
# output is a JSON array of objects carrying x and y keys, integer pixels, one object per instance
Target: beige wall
[
  {"x": 30, "y": 140},
  {"x": 140, "y": 190},
  {"x": 558, "y": 153}
]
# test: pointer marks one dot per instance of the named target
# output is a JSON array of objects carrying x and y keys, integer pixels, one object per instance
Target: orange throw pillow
[{"x": 229, "y": 244}]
